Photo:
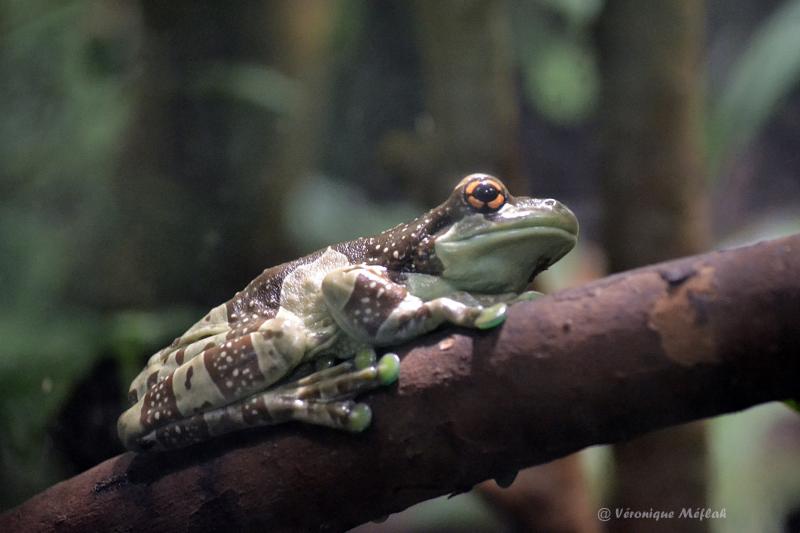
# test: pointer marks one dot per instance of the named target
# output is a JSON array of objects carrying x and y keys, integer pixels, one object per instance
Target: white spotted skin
[{"x": 250, "y": 362}]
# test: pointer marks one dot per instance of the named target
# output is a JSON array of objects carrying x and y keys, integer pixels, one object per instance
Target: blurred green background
[{"x": 156, "y": 156}]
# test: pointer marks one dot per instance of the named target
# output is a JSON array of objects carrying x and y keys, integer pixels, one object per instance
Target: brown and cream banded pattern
[{"x": 297, "y": 342}]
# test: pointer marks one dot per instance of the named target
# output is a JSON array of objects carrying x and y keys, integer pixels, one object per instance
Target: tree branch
[{"x": 600, "y": 363}]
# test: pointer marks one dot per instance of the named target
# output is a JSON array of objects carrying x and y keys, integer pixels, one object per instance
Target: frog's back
[{"x": 262, "y": 296}]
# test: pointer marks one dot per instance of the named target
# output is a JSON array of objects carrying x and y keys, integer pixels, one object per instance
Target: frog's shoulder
[{"x": 263, "y": 294}]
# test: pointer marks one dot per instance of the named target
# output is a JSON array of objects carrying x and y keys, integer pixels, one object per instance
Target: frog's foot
[
  {"x": 347, "y": 415},
  {"x": 345, "y": 380},
  {"x": 325, "y": 397}
]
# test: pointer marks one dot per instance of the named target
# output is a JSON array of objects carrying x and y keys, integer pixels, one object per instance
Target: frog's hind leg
[
  {"x": 214, "y": 329},
  {"x": 323, "y": 398},
  {"x": 264, "y": 409},
  {"x": 221, "y": 375},
  {"x": 345, "y": 414}
]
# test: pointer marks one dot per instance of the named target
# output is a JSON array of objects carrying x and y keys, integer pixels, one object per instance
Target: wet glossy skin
[{"x": 272, "y": 353}]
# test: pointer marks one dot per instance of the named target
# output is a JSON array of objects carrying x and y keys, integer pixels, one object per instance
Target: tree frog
[{"x": 298, "y": 343}]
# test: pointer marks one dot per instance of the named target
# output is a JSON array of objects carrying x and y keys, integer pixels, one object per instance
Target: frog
[{"x": 300, "y": 341}]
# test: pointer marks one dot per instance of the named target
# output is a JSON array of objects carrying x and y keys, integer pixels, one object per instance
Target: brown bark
[
  {"x": 656, "y": 208},
  {"x": 604, "y": 362}
]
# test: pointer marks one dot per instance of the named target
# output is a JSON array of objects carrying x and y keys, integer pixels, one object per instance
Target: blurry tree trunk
[
  {"x": 203, "y": 172},
  {"x": 470, "y": 96},
  {"x": 655, "y": 209},
  {"x": 183, "y": 201},
  {"x": 178, "y": 184},
  {"x": 301, "y": 32}
]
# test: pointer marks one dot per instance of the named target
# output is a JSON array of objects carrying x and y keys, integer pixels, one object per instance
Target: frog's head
[
  {"x": 496, "y": 242},
  {"x": 500, "y": 242},
  {"x": 481, "y": 239}
]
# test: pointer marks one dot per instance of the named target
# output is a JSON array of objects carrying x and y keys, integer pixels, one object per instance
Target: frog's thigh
[
  {"x": 216, "y": 377},
  {"x": 210, "y": 330},
  {"x": 166, "y": 361}
]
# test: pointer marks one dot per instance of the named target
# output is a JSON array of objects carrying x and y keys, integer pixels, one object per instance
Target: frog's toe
[
  {"x": 389, "y": 368},
  {"x": 344, "y": 380},
  {"x": 365, "y": 357},
  {"x": 492, "y": 316},
  {"x": 359, "y": 418},
  {"x": 527, "y": 296},
  {"x": 326, "y": 374}
]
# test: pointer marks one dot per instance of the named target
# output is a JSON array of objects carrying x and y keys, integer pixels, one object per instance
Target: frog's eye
[{"x": 485, "y": 194}]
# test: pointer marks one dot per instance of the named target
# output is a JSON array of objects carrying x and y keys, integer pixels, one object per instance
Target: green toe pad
[
  {"x": 389, "y": 368},
  {"x": 359, "y": 418},
  {"x": 364, "y": 357},
  {"x": 491, "y": 317}
]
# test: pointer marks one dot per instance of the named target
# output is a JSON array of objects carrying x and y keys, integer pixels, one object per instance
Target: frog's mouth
[{"x": 504, "y": 251}]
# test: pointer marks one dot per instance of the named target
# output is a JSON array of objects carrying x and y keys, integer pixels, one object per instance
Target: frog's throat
[{"x": 503, "y": 259}]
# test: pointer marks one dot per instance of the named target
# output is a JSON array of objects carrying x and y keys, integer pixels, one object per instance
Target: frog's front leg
[{"x": 372, "y": 308}]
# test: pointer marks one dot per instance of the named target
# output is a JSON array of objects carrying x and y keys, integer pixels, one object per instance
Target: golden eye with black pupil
[{"x": 485, "y": 195}]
